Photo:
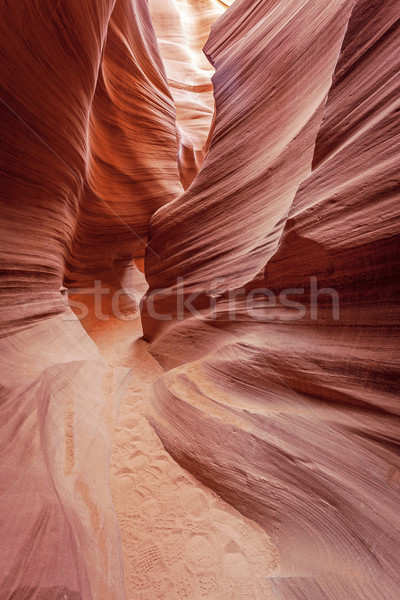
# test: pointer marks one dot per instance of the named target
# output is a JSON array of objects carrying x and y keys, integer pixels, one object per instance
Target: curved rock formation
[
  {"x": 59, "y": 532},
  {"x": 132, "y": 168},
  {"x": 294, "y": 419},
  {"x": 257, "y": 157},
  {"x": 277, "y": 319},
  {"x": 88, "y": 154},
  {"x": 182, "y": 28}
]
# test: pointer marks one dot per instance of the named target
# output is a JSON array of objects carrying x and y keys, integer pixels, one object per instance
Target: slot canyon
[{"x": 199, "y": 299}]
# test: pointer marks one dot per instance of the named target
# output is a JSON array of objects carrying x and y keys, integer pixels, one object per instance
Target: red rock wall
[
  {"x": 88, "y": 154},
  {"x": 293, "y": 420},
  {"x": 48, "y": 81},
  {"x": 276, "y": 62},
  {"x": 182, "y": 28}
]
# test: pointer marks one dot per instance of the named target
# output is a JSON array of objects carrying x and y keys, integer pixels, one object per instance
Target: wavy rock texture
[
  {"x": 132, "y": 168},
  {"x": 59, "y": 531},
  {"x": 182, "y": 28},
  {"x": 294, "y": 418},
  {"x": 291, "y": 420},
  {"x": 88, "y": 154},
  {"x": 267, "y": 55}
]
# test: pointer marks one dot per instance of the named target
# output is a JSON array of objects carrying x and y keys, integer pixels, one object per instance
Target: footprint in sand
[
  {"x": 208, "y": 584},
  {"x": 184, "y": 586},
  {"x": 149, "y": 558},
  {"x": 194, "y": 501},
  {"x": 200, "y": 554},
  {"x": 180, "y": 540},
  {"x": 173, "y": 549}
]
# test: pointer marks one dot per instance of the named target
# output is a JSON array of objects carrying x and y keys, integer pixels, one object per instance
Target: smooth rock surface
[
  {"x": 182, "y": 28},
  {"x": 283, "y": 410},
  {"x": 88, "y": 154},
  {"x": 294, "y": 418}
]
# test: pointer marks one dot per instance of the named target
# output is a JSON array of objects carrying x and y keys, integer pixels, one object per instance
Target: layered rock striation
[
  {"x": 283, "y": 398},
  {"x": 277, "y": 323},
  {"x": 88, "y": 154}
]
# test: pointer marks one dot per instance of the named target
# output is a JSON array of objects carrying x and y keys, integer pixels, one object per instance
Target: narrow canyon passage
[
  {"x": 225, "y": 426},
  {"x": 179, "y": 539}
]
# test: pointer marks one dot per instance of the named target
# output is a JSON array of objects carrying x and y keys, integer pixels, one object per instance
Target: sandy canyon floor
[
  {"x": 245, "y": 156},
  {"x": 180, "y": 540}
]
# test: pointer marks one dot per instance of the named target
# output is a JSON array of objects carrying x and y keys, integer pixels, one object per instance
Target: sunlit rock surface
[
  {"x": 276, "y": 63},
  {"x": 182, "y": 28},
  {"x": 286, "y": 409}
]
